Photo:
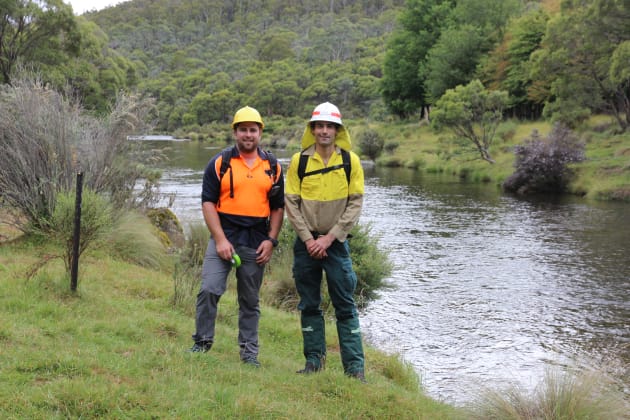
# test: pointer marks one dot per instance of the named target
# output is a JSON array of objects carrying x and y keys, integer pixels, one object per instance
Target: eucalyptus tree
[
  {"x": 469, "y": 32},
  {"x": 508, "y": 66},
  {"x": 472, "y": 113},
  {"x": 584, "y": 62},
  {"x": 419, "y": 27},
  {"x": 34, "y": 32}
]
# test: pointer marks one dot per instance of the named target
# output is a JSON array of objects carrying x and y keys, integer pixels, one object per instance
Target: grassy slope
[{"x": 117, "y": 349}]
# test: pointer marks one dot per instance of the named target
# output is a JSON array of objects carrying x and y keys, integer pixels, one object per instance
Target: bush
[
  {"x": 187, "y": 273},
  {"x": 391, "y": 146},
  {"x": 541, "y": 164},
  {"x": 46, "y": 139},
  {"x": 370, "y": 263},
  {"x": 96, "y": 222},
  {"x": 371, "y": 143}
]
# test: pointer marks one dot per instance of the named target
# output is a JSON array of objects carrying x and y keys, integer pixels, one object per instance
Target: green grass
[{"x": 116, "y": 349}]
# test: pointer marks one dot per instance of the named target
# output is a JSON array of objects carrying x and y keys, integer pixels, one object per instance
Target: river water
[{"x": 488, "y": 290}]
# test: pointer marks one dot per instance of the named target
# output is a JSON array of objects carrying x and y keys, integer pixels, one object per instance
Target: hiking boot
[
  {"x": 252, "y": 361},
  {"x": 200, "y": 348},
  {"x": 358, "y": 375},
  {"x": 310, "y": 368}
]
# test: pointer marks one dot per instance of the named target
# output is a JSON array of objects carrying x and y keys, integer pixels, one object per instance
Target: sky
[{"x": 81, "y": 6}]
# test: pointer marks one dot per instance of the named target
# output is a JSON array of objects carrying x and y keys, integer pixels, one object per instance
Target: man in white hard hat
[
  {"x": 243, "y": 207},
  {"x": 324, "y": 196}
]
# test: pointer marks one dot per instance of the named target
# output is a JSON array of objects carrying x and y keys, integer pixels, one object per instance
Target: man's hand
[
  {"x": 264, "y": 252},
  {"x": 225, "y": 249},
  {"x": 317, "y": 247}
]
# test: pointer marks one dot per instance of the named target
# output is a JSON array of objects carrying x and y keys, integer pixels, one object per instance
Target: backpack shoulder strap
[
  {"x": 273, "y": 164},
  {"x": 302, "y": 166},
  {"x": 345, "y": 156},
  {"x": 226, "y": 156}
]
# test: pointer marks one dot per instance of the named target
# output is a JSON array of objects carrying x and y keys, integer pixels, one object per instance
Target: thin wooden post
[{"x": 74, "y": 270}]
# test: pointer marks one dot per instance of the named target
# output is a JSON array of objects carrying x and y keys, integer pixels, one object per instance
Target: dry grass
[{"x": 561, "y": 395}]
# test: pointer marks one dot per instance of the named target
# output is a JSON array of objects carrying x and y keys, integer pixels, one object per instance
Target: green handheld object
[{"x": 236, "y": 261}]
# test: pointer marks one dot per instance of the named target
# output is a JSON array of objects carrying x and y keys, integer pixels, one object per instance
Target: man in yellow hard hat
[
  {"x": 243, "y": 206},
  {"x": 324, "y": 196}
]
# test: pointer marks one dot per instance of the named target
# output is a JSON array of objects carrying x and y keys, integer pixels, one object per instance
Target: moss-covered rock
[{"x": 166, "y": 221}]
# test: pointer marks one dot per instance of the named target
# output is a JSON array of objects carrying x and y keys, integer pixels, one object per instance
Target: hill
[{"x": 202, "y": 59}]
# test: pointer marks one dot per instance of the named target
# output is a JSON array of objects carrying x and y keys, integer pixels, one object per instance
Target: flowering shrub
[{"x": 542, "y": 163}]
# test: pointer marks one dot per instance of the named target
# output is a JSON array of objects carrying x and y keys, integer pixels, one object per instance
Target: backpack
[
  {"x": 226, "y": 156},
  {"x": 345, "y": 156}
]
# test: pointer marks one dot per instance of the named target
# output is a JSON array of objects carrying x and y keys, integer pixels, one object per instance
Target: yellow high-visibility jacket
[{"x": 324, "y": 203}]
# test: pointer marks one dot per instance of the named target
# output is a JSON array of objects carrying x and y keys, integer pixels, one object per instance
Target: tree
[
  {"x": 471, "y": 30},
  {"x": 276, "y": 46},
  {"x": 452, "y": 60},
  {"x": 402, "y": 85},
  {"x": 472, "y": 113},
  {"x": 580, "y": 49},
  {"x": 507, "y": 67},
  {"x": 34, "y": 32}
]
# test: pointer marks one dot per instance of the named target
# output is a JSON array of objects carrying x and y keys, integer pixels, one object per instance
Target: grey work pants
[{"x": 214, "y": 275}]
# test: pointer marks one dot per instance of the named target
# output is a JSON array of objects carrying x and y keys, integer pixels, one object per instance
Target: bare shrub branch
[{"x": 47, "y": 138}]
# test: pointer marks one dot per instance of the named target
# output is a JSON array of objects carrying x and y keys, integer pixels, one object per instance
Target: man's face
[
  {"x": 324, "y": 132},
  {"x": 247, "y": 136}
]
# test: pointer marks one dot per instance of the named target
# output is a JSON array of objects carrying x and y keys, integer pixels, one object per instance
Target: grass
[
  {"x": 116, "y": 349},
  {"x": 561, "y": 395}
]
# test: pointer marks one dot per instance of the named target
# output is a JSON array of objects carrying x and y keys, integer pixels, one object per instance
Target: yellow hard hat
[{"x": 247, "y": 114}]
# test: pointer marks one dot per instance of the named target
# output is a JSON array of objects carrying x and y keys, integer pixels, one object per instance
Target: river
[{"x": 489, "y": 290}]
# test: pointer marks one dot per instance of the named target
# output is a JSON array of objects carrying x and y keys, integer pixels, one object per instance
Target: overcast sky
[{"x": 81, "y": 6}]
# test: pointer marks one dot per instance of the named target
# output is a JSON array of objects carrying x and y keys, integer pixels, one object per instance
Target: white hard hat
[{"x": 327, "y": 112}]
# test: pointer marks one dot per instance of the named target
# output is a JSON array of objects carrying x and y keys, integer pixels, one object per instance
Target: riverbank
[
  {"x": 117, "y": 349},
  {"x": 604, "y": 175}
]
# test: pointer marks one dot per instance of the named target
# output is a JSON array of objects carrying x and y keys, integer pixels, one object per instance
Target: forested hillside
[
  {"x": 562, "y": 60},
  {"x": 204, "y": 58}
]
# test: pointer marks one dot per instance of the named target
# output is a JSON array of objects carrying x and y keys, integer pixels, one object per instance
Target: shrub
[
  {"x": 541, "y": 164},
  {"x": 46, "y": 139},
  {"x": 187, "y": 273},
  {"x": 391, "y": 146},
  {"x": 96, "y": 222},
  {"x": 507, "y": 130},
  {"x": 371, "y": 143},
  {"x": 370, "y": 263}
]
